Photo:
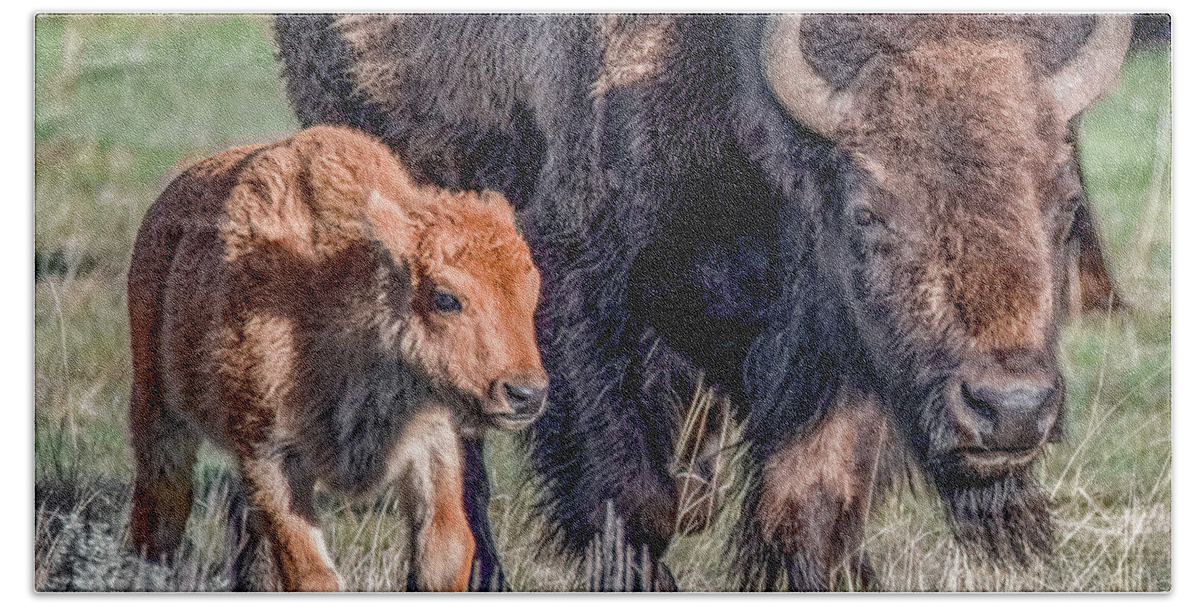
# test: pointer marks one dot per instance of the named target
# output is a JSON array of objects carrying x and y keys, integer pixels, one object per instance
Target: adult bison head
[{"x": 949, "y": 236}]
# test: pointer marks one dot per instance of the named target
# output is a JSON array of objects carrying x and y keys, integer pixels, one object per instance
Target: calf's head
[
  {"x": 474, "y": 290},
  {"x": 956, "y": 192}
]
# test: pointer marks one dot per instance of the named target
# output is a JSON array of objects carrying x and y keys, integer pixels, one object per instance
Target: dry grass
[{"x": 1111, "y": 538}]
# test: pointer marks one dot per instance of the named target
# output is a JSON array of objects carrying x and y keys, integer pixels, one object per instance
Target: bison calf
[{"x": 306, "y": 306}]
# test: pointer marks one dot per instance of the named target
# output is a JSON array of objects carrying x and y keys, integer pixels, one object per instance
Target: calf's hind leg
[
  {"x": 164, "y": 445},
  {"x": 165, "y": 452}
]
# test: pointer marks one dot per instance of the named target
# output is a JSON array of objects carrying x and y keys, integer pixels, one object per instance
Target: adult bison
[{"x": 858, "y": 227}]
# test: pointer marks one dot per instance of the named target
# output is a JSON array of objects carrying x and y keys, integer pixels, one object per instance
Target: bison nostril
[
  {"x": 978, "y": 400},
  {"x": 523, "y": 398},
  {"x": 518, "y": 392},
  {"x": 1018, "y": 412}
]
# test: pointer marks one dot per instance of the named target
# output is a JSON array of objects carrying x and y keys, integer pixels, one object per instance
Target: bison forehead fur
[
  {"x": 840, "y": 45},
  {"x": 965, "y": 145}
]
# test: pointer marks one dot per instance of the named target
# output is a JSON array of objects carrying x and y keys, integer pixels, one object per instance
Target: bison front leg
[
  {"x": 812, "y": 501},
  {"x": 282, "y": 498},
  {"x": 606, "y": 437},
  {"x": 428, "y": 466},
  {"x": 486, "y": 572},
  {"x": 606, "y": 457}
]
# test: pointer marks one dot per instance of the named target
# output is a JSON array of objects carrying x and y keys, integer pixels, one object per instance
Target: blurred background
[{"x": 122, "y": 103}]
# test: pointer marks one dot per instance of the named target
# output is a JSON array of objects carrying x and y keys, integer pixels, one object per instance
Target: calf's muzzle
[{"x": 523, "y": 400}]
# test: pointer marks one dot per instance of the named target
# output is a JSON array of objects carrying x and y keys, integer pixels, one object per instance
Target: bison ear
[{"x": 1091, "y": 288}]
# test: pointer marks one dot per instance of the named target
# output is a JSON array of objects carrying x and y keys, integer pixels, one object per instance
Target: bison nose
[
  {"x": 525, "y": 400},
  {"x": 1015, "y": 416}
]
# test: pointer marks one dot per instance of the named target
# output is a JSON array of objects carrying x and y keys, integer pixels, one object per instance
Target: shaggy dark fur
[
  {"x": 1008, "y": 519},
  {"x": 682, "y": 221},
  {"x": 609, "y": 436},
  {"x": 359, "y": 381}
]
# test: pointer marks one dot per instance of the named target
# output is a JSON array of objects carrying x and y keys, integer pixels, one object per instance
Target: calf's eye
[{"x": 445, "y": 302}]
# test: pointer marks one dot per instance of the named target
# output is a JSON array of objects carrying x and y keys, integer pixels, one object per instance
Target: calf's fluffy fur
[{"x": 308, "y": 307}]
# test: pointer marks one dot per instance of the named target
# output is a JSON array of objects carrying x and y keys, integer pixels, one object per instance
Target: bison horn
[
  {"x": 811, "y": 100},
  {"x": 1093, "y": 70},
  {"x": 805, "y": 94}
]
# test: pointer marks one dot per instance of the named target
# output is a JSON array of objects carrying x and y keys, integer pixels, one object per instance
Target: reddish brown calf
[{"x": 306, "y": 306}]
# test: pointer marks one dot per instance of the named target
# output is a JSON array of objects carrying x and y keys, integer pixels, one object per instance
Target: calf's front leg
[
  {"x": 428, "y": 466},
  {"x": 285, "y": 515}
]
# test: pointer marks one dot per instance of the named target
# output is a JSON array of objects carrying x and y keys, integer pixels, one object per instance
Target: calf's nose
[
  {"x": 526, "y": 400},
  {"x": 1016, "y": 416}
]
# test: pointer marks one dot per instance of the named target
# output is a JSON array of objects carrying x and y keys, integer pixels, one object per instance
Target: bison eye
[
  {"x": 864, "y": 217},
  {"x": 445, "y": 302}
]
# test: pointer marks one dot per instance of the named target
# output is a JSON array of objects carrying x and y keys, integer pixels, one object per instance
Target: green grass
[{"x": 121, "y": 101}]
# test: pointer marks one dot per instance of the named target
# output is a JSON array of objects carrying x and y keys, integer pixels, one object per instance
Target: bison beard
[{"x": 1008, "y": 518}]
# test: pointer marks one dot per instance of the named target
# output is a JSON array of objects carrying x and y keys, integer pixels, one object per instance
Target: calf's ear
[
  {"x": 393, "y": 225},
  {"x": 396, "y": 280}
]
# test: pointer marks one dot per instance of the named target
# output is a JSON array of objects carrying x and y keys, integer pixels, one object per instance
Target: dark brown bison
[
  {"x": 859, "y": 228},
  {"x": 304, "y": 305}
]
